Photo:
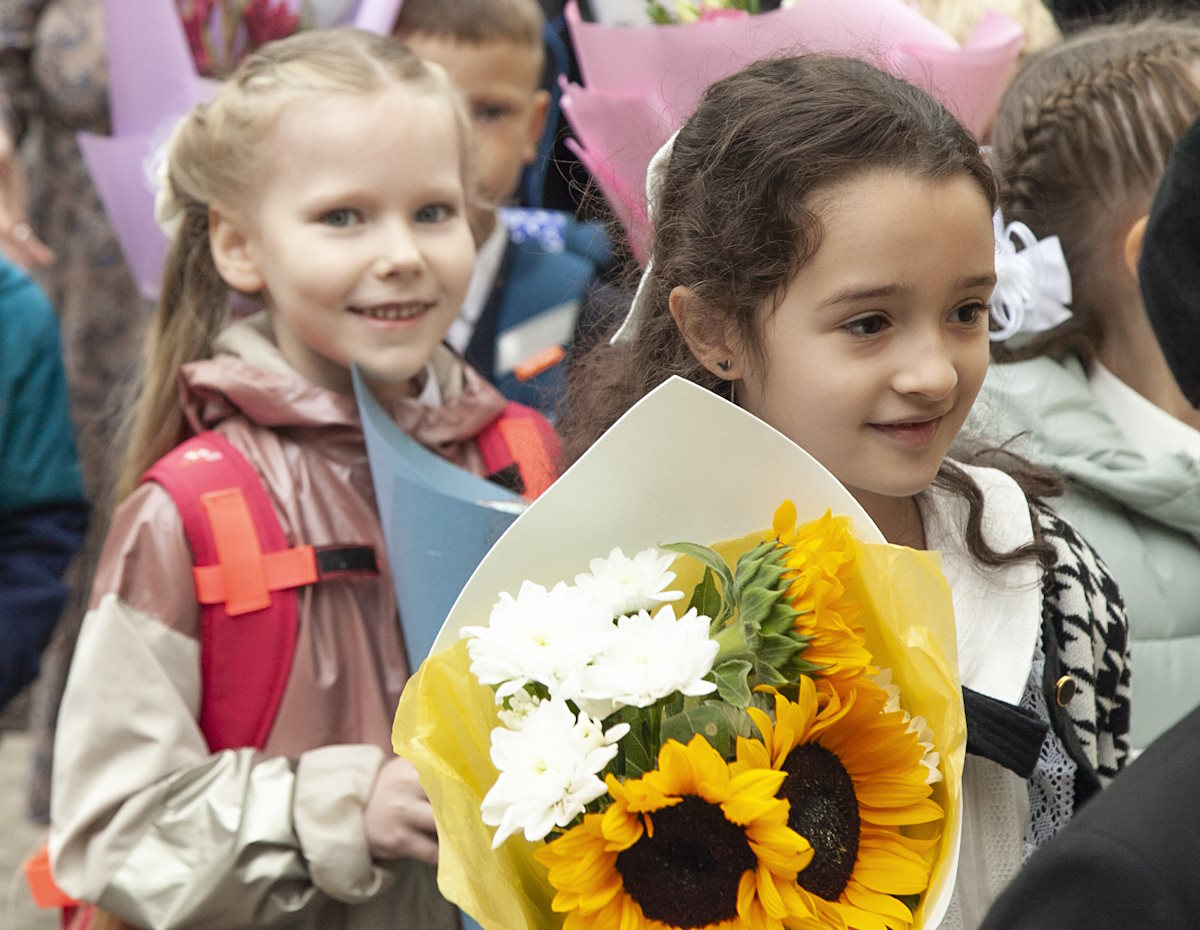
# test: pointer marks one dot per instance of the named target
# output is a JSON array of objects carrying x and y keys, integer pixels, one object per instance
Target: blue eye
[
  {"x": 866, "y": 326},
  {"x": 434, "y": 213},
  {"x": 340, "y": 218}
]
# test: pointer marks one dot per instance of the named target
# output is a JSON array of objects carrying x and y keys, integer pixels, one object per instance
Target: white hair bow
[
  {"x": 1033, "y": 286},
  {"x": 168, "y": 211}
]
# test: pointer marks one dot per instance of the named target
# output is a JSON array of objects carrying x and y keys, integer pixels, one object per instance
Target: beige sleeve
[{"x": 150, "y": 825}]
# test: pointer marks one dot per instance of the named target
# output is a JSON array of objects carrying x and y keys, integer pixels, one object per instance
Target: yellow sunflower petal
[
  {"x": 785, "y": 518},
  {"x": 886, "y": 906}
]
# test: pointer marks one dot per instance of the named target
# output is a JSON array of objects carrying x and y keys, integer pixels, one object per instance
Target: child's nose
[
  {"x": 398, "y": 252},
  {"x": 929, "y": 369}
]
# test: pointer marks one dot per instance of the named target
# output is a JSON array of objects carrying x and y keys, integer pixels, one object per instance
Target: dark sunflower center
[
  {"x": 824, "y": 810},
  {"x": 687, "y": 874}
]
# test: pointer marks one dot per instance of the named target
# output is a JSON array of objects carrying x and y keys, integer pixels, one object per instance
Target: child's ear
[
  {"x": 711, "y": 340},
  {"x": 537, "y": 124},
  {"x": 1133, "y": 244},
  {"x": 232, "y": 252}
]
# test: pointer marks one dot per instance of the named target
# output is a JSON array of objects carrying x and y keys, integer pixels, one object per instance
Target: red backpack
[{"x": 246, "y": 577}]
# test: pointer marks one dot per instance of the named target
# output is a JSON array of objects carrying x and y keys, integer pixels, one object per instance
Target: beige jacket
[{"x": 145, "y": 821}]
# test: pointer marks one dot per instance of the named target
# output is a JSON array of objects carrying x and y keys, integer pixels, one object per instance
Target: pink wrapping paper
[{"x": 641, "y": 83}]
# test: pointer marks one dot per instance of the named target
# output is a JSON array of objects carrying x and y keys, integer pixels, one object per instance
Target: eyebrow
[{"x": 851, "y": 294}]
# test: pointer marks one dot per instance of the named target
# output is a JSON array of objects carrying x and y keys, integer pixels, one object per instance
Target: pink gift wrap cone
[{"x": 642, "y": 82}]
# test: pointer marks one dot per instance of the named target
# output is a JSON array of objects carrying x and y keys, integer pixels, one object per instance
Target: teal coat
[
  {"x": 1142, "y": 517},
  {"x": 42, "y": 511}
]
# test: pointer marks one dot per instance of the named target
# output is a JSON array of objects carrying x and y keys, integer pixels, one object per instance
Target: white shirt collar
[
  {"x": 487, "y": 266},
  {"x": 1151, "y": 431},
  {"x": 997, "y": 611}
]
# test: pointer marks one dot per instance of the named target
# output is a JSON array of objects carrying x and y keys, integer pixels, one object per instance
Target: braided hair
[{"x": 1080, "y": 142}]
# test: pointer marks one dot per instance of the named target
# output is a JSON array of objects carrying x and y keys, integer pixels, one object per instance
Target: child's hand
[{"x": 398, "y": 817}]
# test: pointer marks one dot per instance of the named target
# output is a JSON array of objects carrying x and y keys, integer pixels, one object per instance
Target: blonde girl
[{"x": 324, "y": 183}]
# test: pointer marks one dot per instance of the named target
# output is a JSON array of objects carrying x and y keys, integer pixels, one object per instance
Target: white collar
[
  {"x": 1152, "y": 432},
  {"x": 997, "y": 611},
  {"x": 487, "y": 265}
]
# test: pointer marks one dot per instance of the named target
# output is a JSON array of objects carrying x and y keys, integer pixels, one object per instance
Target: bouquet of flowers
[
  {"x": 640, "y": 83},
  {"x": 222, "y": 32},
  {"x": 762, "y": 732},
  {"x": 685, "y": 11}
]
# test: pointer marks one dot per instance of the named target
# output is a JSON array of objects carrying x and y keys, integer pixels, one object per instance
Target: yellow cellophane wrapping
[{"x": 444, "y": 721}]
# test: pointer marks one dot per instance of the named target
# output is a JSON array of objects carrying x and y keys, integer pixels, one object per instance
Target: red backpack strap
[
  {"x": 245, "y": 575},
  {"x": 523, "y": 439},
  {"x": 248, "y": 624}
]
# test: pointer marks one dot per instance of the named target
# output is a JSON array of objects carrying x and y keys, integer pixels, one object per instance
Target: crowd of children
[{"x": 348, "y": 200}]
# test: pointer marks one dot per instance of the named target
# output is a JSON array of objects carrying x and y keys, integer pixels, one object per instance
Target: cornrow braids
[{"x": 1080, "y": 142}]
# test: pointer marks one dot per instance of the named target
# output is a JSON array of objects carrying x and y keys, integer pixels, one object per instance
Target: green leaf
[
  {"x": 658, "y": 13},
  {"x": 762, "y": 565},
  {"x": 641, "y": 752},
  {"x": 769, "y": 675},
  {"x": 706, "y": 599},
  {"x": 672, "y": 704},
  {"x": 706, "y": 556},
  {"x": 751, "y": 562},
  {"x": 754, "y": 605},
  {"x": 718, "y": 723},
  {"x": 781, "y": 619},
  {"x": 776, "y": 650},
  {"x": 763, "y": 700},
  {"x": 732, "y": 678},
  {"x": 801, "y": 666}
]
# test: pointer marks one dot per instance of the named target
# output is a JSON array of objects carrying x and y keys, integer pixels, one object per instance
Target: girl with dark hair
[{"x": 823, "y": 256}]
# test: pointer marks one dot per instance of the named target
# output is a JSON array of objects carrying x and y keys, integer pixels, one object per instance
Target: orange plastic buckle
[
  {"x": 524, "y": 441},
  {"x": 244, "y": 576},
  {"x": 42, "y": 887}
]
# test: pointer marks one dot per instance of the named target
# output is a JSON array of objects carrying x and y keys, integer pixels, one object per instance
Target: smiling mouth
[
  {"x": 914, "y": 433},
  {"x": 405, "y": 311}
]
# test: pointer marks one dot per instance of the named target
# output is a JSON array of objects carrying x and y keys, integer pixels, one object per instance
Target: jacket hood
[
  {"x": 249, "y": 377},
  {"x": 1049, "y": 406}
]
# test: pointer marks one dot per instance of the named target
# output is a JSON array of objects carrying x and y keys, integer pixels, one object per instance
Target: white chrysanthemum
[
  {"x": 549, "y": 771},
  {"x": 515, "y": 707},
  {"x": 649, "y": 658},
  {"x": 539, "y": 636},
  {"x": 917, "y": 725},
  {"x": 626, "y": 585}
]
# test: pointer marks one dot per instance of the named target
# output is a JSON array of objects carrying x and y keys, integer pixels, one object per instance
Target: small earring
[{"x": 724, "y": 366}]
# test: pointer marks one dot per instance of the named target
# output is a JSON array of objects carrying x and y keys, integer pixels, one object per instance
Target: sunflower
[
  {"x": 854, "y": 778},
  {"x": 688, "y": 846},
  {"x": 819, "y": 563}
]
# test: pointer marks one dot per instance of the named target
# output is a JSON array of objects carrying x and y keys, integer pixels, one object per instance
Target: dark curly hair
[{"x": 733, "y": 223}]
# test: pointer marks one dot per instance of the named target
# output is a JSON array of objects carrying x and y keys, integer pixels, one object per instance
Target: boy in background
[{"x": 535, "y": 268}]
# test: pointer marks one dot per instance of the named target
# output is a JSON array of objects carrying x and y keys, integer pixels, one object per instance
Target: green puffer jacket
[{"x": 1142, "y": 517}]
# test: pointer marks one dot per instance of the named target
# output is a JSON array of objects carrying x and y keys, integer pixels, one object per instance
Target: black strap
[
  {"x": 1006, "y": 734},
  {"x": 345, "y": 562}
]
